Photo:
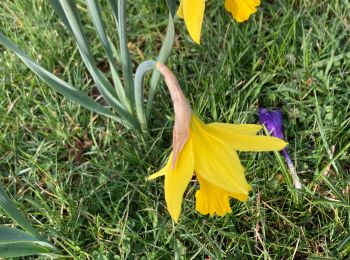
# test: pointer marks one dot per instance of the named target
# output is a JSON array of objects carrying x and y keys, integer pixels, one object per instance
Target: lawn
[{"x": 80, "y": 178}]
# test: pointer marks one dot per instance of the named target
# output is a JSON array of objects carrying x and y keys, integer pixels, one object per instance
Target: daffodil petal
[
  {"x": 180, "y": 12},
  {"x": 258, "y": 143},
  {"x": 246, "y": 129},
  {"x": 177, "y": 179},
  {"x": 156, "y": 175},
  {"x": 241, "y": 197},
  {"x": 241, "y": 9},
  {"x": 241, "y": 142},
  {"x": 193, "y": 12},
  {"x": 216, "y": 162},
  {"x": 162, "y": 171}
]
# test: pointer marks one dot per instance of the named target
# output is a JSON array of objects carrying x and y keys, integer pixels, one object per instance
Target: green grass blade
[
  {"x": 162, "y": 57},
  {"x": 328, "y": 149},
  {"x": 139, "y": 92},
  {"x": 61, "y": 86},
  {"x": 13, "y": 236},
  {"x": 335, "y": 190},
  {"x": 96, "y": 16},
  {"x": 330, "y": 202},
  {"x": 9, "y": 207},
  {"x": 323, "y": 134},
  {"x": 345, "y": 242},
  {"x": 124, "y": 52},
  {"x": 321, "y": 173}
]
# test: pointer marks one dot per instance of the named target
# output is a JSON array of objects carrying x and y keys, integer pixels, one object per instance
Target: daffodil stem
[
  {"x": 164, "y": 53},
  {"x": 296, "y": 181},
  {"x": 139, "y": 96}
]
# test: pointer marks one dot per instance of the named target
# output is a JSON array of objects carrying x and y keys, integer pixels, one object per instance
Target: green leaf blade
[
  {"x": 66, "y": 89},
  {"x": 9, "y": 207},
  {"x": 21, "y": 249},
  {"x": 162, "y": 57}
]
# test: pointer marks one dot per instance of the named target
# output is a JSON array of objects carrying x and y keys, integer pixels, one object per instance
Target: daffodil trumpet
[
  {"x": 209, "y": 152},
  {"x": 192, "y": 11}
]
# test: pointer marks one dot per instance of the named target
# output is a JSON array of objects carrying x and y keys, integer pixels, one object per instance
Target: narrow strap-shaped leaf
[
  {"x": 95, "y": 13},
  {"x": 114, "y": 6},
  {"x": 139, "y": 92},
  {"x": 13, "y": 235},
  {"x": 9, "y": 207},
  {"x": 172, "y": 7},
  {"x": 71, "y": 12},
  {"x": 63, "y": 87},
  {"x": 70, "y": 9},
  {"x": 22, "y": 249},
  {"x": 104, "y": 86},
  {"x": 59, "y": 11},
  {"x": 162, "y": 57},
  {"x": 124, "y": 51}
]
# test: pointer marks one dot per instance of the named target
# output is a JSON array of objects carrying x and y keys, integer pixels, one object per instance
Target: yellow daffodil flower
[
  {"x": 209, "y": 151},
  {"x": 192, "y": 11}
]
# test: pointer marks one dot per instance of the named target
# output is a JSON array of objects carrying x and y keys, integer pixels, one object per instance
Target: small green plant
[{"x": 125, "y": 99}]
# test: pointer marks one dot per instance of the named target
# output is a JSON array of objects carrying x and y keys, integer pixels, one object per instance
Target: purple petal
[{"x": 272, "y": 119}]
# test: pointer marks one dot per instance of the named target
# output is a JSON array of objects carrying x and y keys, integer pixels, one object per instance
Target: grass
[{"x": 80, "y": 178}]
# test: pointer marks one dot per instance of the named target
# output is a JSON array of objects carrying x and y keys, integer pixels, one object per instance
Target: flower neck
[{"x": 182, "y": 111}]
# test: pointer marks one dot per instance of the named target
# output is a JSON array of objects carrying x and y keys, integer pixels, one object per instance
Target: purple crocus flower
[{"x": 272, "y": 119}]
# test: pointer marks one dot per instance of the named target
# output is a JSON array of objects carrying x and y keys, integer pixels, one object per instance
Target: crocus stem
[{"x": 293, "y": 172}]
